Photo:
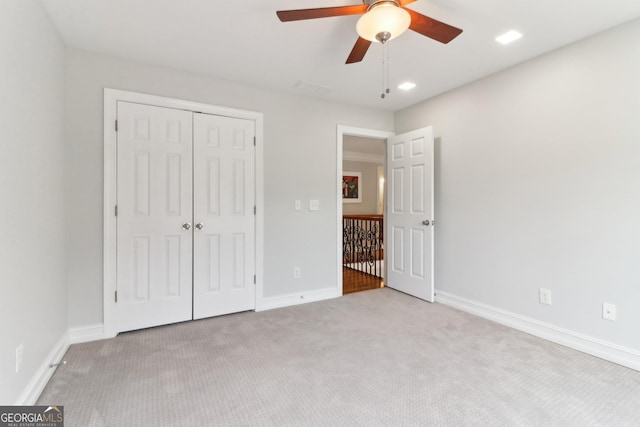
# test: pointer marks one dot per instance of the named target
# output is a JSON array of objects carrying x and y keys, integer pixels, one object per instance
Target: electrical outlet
[
  {"x": 19, "y": 355},
  {"x": 609, "y": 311},
  {"x": 314, "y": 205},
  {"x": 545, "y": 296},
  {"x": 297, "y": 272}
]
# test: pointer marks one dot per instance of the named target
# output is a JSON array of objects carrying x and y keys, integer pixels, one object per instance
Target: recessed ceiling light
[
  {"x": 407, "y": 86},
  {"x": 508, "y": 37}
]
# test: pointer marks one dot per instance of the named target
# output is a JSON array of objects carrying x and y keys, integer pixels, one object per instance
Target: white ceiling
[{"x": 243, "y": 41}]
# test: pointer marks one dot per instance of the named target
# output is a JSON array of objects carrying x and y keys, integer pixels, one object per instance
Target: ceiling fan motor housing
[
  {"x": 383, "y": 21},
  {"x": 373, "y": 3}
]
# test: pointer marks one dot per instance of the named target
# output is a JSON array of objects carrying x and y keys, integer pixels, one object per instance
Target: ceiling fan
[{"x": 382, "y": 21}]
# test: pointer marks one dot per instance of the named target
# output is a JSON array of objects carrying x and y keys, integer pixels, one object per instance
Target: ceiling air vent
[{"x": 310, "y": 88}]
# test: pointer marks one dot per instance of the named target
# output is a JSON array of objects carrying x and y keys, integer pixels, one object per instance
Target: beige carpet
[{"x": 375, "y": 358}]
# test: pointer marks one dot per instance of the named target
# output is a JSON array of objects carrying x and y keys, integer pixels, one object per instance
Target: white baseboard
[
  {"x": 596, "y": 347},
  {"x": 40, "y": 379},
  {"x": 297, "y": 298},
  {"x": 86, "y": 334}
]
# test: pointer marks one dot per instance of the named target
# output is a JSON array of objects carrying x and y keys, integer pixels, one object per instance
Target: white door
[
  {"x": 224, "y": 216},
  {"x": 154, "y": 213},
  {"x": 409, "y": 217}
]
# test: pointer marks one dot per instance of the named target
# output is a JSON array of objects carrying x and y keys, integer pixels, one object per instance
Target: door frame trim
[
  {"x": 341, "y": 132},
  {"x": 111, "y": 98}
]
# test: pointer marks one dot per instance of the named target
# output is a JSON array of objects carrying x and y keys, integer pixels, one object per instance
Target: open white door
[{"x": 409, "y": 215}]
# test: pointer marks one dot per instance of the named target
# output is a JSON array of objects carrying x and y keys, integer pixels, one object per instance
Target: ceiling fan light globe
[{"x": 385, "y": 17}]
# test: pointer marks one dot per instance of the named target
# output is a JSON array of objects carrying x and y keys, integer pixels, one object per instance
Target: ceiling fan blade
[
  {"x": 358, "y": 51},
  {"x": 431, "y": 28},
  {"x": 323, "y": 12}
]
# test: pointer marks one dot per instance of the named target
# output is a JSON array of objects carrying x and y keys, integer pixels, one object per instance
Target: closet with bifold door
[{"x": 185, "y": 239}]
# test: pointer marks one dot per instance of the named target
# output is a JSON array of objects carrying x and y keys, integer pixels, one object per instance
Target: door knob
[
  {"x": 199, "y": 226},
  {"x": 425, "y": 222},
  {"x": 186, "y": 226}
]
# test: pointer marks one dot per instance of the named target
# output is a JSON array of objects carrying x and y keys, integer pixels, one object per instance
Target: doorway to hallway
[
  {"x": 408, "y": 206},
  {"x": 362, "y": 222}
]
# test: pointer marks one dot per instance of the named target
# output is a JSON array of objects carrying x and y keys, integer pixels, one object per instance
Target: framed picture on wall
[{"x": 351, "y": 187}]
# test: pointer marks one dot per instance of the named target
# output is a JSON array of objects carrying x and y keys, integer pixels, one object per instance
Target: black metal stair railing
[{"x": 362, "y": 243}]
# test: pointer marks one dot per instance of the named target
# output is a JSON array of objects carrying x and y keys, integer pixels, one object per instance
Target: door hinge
[
  {"x": 255, "y": 210},
  {"x": 115, "y": 210},
  {"x": 254, "y": 279},
  {"x": 254, "y": 141},
  {"x": 116, "y": 295},
  {"x": 116, "y": 126}
]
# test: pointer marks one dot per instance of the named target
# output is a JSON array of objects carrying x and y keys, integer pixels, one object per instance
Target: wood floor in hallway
[{"x": 356, "y": 281}]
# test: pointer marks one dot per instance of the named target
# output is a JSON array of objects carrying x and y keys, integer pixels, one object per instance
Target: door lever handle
[
  {"x": 186, "y": 226},
  {"x": 425, "y": 222},
  {"x": 199, "y": 226}
]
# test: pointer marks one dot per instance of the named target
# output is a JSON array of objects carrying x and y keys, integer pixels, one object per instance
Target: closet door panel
[
  {"x": 154, "y": 251},
  {"x": 224, "y": 199}
]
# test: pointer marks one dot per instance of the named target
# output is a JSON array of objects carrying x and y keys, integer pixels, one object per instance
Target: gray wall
[
  {"x": 369, "y": 185},
  {"x": 296, "y": 129},
  {"x": 538, "y": 185},
  {"x": 33, "y": 293}
]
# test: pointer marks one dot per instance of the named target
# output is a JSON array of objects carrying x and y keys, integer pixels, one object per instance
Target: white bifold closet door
[{"x": 185, "y": 216}]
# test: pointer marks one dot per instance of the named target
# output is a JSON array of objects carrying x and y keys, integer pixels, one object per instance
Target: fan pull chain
[
  {"x": 388, "y": 66},
  {"x": 382, "y": 96},
  {"x": 385, "y": 71}
]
